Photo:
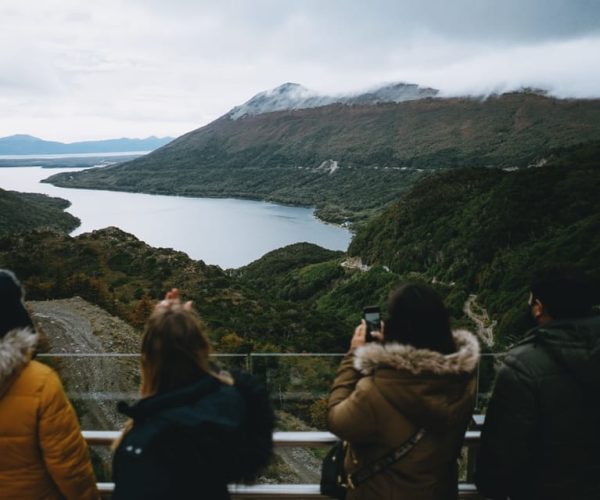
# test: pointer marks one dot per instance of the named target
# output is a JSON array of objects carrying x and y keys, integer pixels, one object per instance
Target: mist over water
[{"x": 226, "y": 232}]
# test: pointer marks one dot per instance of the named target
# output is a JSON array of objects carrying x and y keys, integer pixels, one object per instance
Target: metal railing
[
  {"x": 292, "y": 379},
  {"x": 276, "y": 370},
  {"x": 285, "y": 439}
]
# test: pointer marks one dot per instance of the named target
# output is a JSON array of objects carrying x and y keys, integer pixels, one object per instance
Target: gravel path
[
  {"x": 74, "y": 327},
  {"x": 306, "y": 467}
]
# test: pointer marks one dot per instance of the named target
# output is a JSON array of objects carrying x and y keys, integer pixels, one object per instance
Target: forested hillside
[
  {"x": 125, "y": 276},
  {"x": 351, "y": 160},
  {"x": 465, "y": 231},
  {"x": 486, "y": 230},
  {"x": 27, "y": 211}
]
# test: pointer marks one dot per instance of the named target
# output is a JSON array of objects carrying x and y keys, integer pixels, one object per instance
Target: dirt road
[{"x": 485, "y": 327}]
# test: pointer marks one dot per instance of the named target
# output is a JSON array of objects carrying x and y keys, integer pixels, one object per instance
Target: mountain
[
  {"x": 29, "y": 145},
  {"x": 294, "y": 96},
  {"x": 27, "y": 211},
  {"x": 351, "y": 160}
]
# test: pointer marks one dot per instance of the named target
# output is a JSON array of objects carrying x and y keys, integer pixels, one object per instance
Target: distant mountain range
[
  {"x": 28, "y": 145},
  {"x": 351, "y": 157}
]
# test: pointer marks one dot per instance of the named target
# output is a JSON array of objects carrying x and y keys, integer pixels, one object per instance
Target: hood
[
  {"x": 405, "y": 357},
  {"x": 16, "y": 348},
  {"x": 575, "y": 344},
  {"x": 207, "y": 401},
  {"x": 429, "y": 387},
  {"x": 207, "y": 413}
]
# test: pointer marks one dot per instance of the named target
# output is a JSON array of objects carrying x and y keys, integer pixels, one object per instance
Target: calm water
[{"x": 226, "y": 232}]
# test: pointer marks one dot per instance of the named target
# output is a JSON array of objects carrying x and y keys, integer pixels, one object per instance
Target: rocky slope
[{"x": 82, "y": 337}]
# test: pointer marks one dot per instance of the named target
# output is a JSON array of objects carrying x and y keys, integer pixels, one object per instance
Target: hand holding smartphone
[{"x": 372, "y": 317}]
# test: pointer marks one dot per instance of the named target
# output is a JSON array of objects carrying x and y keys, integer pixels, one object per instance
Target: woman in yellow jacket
[{"x": 42, "y": 452}]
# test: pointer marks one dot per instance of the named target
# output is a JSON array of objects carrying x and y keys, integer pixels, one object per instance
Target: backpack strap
[{"x": 384, "y": 462}]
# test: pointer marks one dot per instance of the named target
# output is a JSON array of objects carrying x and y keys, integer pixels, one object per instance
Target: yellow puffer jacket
[{"x": 42, "y": 452}]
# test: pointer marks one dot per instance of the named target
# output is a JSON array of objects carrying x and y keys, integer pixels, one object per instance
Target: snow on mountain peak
[
  {"x": 295, "y": 96},
  {"x": 286, "y": 96}
]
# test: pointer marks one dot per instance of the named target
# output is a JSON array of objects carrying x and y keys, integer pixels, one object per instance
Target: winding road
[{"x": 485, "y": 327}]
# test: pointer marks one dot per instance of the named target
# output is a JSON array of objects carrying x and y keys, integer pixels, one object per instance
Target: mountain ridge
[
  {"x": 379, "y": 150},
  {"x": 24, "y": 144}
]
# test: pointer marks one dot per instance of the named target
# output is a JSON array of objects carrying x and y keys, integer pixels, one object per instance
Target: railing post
[
  {"x": 471, "y": 461},
  {"x": 477, "y": 386}
]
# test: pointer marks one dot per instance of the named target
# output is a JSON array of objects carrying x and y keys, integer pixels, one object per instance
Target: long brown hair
[{"x": 175, "y": 351}]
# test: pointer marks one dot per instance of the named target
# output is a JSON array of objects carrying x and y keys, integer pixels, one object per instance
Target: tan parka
[
  {"x": 42, "y": 452},
  {"x": 383, "y": 394}
]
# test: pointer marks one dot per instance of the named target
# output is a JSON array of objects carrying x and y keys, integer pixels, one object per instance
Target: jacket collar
[
  {"x": 16, "y": 348},
  {"x": 151, "y": 405},
  {"x": 405, "y": 357}
]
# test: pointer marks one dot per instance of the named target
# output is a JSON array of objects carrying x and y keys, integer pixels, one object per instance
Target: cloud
[{"x": 73, "y": 70}]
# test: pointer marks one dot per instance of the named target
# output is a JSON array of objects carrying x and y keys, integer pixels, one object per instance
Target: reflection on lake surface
[{"x": 226, "y": 232}]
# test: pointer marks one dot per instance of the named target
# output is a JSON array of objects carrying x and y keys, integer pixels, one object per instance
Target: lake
[{"x": 226, "y": 232}]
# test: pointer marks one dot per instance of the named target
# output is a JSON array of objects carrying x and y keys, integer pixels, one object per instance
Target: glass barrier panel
[{"x": 298, "y": 384}]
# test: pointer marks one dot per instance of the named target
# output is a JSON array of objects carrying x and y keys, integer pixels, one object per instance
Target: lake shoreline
[
  {"x": 345, "y": 225},
  {"x": 226, "y": 231}
]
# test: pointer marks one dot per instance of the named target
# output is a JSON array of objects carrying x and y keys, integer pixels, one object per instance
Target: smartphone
[{"x": 372, "y": 317}]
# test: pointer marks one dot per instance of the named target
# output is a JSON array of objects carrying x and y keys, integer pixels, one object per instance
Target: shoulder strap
[{"x": 384, "y": 462}]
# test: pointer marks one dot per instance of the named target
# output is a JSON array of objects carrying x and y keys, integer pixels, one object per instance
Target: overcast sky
[{"x": 75, "y": 70}]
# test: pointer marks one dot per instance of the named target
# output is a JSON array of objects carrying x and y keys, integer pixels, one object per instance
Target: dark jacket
[
  {"x": 192, "y": 442},
  {"x": 541, "y": 437},
  {"x": 383, "y": 394}
]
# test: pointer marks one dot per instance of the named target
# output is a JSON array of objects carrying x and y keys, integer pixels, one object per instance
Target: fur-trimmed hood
[
  {"x": 405, "y": 357},
  {"x": 428, "y": 387},
  {"x": 16, "y": 348}
]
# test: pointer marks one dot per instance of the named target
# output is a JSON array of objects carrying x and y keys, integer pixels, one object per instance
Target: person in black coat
[
  {"x": 541, "y": 437},
  {"x": 194, "y": 430}
]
